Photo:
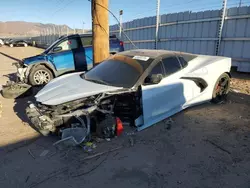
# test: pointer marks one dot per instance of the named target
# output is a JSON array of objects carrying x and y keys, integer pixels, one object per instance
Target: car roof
[
  {"x": 75, "y": 35},
  {"x": 154, "y": 53},
  {"x": 83, "y": 35}
]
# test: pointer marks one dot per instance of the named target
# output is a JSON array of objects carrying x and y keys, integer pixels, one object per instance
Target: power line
[
  {"x": 118, "y": 23},
  {"x": 174, "y": 5},
  {"x": 60, "y": 9},
  {"x": 170, "y": 7}
]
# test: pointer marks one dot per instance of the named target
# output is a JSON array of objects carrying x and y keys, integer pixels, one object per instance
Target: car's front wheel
[
  {"x": 40, "y": 75},
  {"x": 221, "y": 88},
  {"x": 25, "y": 45},
  {"x": 11, "y": 45}
]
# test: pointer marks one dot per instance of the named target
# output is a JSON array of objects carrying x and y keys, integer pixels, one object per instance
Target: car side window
[
  {"x": 171, "y": 65},
  {"x": 183, "y": 62},
  {"x": 158, "y": 69},
  {"x": 86, "y": 41},
  {"x": 68, "y": 44}
]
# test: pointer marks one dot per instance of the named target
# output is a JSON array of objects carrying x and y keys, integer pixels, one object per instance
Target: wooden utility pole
[{"x": 100, "y": 29}]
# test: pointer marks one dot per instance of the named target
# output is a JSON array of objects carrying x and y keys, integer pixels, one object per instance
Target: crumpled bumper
[
  {"x": 40, "y": 121},
  {"x": 21, "y": 71}
]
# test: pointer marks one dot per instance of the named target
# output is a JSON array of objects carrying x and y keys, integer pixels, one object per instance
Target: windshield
[{"x": 119, "y": 71}]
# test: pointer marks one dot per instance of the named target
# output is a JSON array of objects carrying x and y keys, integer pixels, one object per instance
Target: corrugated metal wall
[
  {"x": 195, "y": 32},
  {"x": 236, "y": 38}
]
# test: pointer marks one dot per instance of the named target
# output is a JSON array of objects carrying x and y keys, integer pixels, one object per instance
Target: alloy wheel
[
  {"x": 222, "y": 87},
  {"x": 41, "y": 77}
]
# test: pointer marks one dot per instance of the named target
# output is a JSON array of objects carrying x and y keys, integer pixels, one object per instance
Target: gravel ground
[
  {"x": 241, "y": 83},
  {"x": 204, "y": 146}
]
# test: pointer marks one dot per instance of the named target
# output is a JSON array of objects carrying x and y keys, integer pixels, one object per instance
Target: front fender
[{"x": 49, "y": 65}]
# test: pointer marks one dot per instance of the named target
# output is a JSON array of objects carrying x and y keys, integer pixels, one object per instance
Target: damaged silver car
[{"x": 139, "y": 87}]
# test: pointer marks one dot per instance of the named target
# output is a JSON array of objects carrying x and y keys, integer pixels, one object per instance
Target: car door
[
  {"x": 63, "y": 59},
  {"x": 167, "y": 97},
  {"x": 88, "y": 50},
  {"x": 179, "y": 90},
  {"x": 79, "y": 56},
  {"x": 153, "y": 96}
]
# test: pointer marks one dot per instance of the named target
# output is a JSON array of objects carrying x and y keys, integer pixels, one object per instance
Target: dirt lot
[{"x": 205, "y": 146}]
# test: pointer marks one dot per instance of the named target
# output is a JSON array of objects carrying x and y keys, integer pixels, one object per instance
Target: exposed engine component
[
  {"x": 106, "y": 127},
  {"x": 98, "y": 113},
  {"x": 78, "y": 133}
]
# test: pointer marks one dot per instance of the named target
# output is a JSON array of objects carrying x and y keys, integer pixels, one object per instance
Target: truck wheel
[
  {"x": 40, "y": 75},
  {"x": 221, "y": 88}
]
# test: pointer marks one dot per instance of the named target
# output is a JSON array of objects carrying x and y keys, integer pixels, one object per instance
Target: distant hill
[{"x": 21, "y": 28}]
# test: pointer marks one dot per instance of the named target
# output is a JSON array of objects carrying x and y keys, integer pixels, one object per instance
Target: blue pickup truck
[{"x": 67, "y": 54}]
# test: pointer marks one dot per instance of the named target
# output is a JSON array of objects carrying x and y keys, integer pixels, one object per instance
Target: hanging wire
[
  {"x": 118, "y": 23},
  {"x": 61, "y": 8}
]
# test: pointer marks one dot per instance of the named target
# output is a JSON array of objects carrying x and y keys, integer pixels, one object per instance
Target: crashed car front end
[
  {"x": 21, "y": 71},
  {"x": 95, "y": 100},
  {"x": 90, "y": 112},
  {"x": 47, "y": 119}
]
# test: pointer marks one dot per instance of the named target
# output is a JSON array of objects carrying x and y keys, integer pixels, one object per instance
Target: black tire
[
  {"x": 35, "y": 71},
  {"x": 221, "y": 88},
  {"x": 106, "y": 127}
]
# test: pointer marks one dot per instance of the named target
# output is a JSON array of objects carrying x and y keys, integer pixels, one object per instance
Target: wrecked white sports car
[{"x": 140, "y": 87}]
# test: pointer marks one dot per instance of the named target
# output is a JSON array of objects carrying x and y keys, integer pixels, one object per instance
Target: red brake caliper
[{"x": 218, "y": 88}]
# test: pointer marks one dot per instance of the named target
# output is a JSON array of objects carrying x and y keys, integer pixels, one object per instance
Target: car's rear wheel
[
  {"x": 11, "y": 45},
  {"x": 25, "y": 45},
  {"x": 221, "y": 88},
  {"x": 40, "y": 75}
]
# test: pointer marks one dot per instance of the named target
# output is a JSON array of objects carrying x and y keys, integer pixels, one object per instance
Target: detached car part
[{"x": 14, "y": 90}]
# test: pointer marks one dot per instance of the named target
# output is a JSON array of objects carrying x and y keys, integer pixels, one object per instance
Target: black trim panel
[{"x": 201, "y": 83}]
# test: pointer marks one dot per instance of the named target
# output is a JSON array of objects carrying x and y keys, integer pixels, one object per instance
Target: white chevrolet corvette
[{"x": 141, "y": 87}]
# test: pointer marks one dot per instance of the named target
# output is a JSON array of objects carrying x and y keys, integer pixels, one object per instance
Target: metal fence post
[
  {"x": 223, "y": 13},
  {"x": 120, "y": 25},
  {"x": 157, "y": 23}
]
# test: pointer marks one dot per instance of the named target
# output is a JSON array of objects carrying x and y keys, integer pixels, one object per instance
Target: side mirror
[
  {"x": 57, "y": 49},
  {"x": 153, "y": 79}
]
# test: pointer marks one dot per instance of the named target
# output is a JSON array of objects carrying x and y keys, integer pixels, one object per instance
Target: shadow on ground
[
  {"x": 18, "y": 145},
  {"x": 205, "y": 146},
  {"x": 22, "y": 103}
]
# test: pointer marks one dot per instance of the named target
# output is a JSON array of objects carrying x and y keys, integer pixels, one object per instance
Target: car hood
[
  {"x": 68, "y": 88},
  {"x": 34, "y": 59}
]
